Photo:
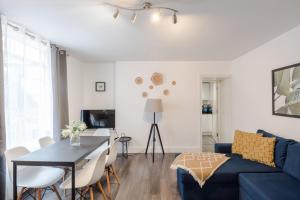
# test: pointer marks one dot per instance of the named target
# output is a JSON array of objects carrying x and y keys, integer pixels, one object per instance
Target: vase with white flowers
[{"x": 73, "y": 131}]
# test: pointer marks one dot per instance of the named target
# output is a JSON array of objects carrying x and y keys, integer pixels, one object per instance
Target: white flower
[
  {"x": 65, "y": 133},
  {"x": 75, "y": 128}
]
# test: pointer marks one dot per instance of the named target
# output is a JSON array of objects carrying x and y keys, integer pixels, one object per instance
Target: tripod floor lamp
[{"x": 154, "y": 106}]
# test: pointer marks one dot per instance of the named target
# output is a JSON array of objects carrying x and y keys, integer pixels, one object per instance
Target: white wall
[
  {"x": 180, "y": 124},
  {"x": 251, "y": 81},
  {"x": 81, "y": 86},
  {"x": 226, "y": 134},
  {"x": 74, "y": 88},
  {"x": 98, "y": 72}
]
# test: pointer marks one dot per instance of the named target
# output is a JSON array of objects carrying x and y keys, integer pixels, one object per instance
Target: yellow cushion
[
  {"x": 261, "y": 149},
  {"x": 242, "y": 140}
]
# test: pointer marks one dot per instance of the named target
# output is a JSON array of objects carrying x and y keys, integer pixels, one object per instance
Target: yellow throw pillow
[
  {"x": 262, "y": 150},
  {"x": 242, "y": 140}
]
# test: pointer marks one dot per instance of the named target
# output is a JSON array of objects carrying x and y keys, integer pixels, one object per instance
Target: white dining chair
[
  {"x": 109, "y": 168},
  {"x": 45, "y": 141},
  {"x": 32, "y": 177},
  {"x": 87, "y": 176},
  {"x": 112, "y": 136}
]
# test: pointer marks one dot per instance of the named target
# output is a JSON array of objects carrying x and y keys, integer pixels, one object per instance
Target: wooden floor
[{"x": 140, "y": 179}]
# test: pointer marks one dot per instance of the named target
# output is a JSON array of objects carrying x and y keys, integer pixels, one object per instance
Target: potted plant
[{"x": 73, "y": 131}]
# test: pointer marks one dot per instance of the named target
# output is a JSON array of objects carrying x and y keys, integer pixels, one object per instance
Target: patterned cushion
[
  {"x": 281, "y": 146},
  {"x": 242, "y": 140},
  {"x": 262, "y": 150}
]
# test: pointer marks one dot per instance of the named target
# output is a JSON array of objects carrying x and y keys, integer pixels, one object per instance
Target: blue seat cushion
[
  {"x": 229, "y": 171},
  {"x": 189, "y": 189},
  {"x": 270, "y": 186},
  {"x": 223, "y": 147},
  {"x": 280, "y": 148},
  {"x": 292, "y": 163}
]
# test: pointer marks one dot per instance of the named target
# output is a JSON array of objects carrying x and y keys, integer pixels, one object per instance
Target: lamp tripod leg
[
  {"x": 149, "y": 139},
  {"x": 162, "y": 147},
  {"x": 153, "y": 150}
]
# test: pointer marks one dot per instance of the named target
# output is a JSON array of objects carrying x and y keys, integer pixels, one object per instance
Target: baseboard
[{"x": 167, "y": 149}]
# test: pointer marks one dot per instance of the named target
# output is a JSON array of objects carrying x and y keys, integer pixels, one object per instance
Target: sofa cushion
[
  {"x": 223, "y": 147},
  {"x": 229, "y": 171},
  {"x": 262, "y": 151},
  {"x": 280, "y": 148},
  {"x": 292, "y": 162},
  {"x": 189, "y": 189},
  {"x": 241, "y": 141},
  {"x": 270, "y": 186}
]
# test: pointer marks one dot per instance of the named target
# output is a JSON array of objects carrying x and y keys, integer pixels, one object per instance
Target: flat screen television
[{"x": 98, "y": 118}]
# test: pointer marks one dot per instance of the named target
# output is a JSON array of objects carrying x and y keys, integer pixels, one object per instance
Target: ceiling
[{"x": 207, "y": 29}]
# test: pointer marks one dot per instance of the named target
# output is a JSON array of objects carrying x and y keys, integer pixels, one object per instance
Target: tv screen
[{"x": 98, "y": 118}]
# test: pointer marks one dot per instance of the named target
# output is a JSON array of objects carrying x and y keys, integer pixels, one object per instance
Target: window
[{"x": 27, "y": 86}]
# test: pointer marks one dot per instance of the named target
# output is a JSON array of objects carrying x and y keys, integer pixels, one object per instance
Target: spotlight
[
  {"x": 175, "y": 18},
  {"x": 156, "y": 16},
  {"x": 116, "y": 14},
  {"x": 133, "y": 18}
]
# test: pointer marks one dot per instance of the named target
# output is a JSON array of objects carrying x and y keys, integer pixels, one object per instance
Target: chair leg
[
  {"x": 108, "y": 183},
  {"x": 34, "y": 194},
  {"x": 39, "y": 193},
  {"x": 63, "y": 179},
  {"x": 91, "y": 193},
  {"x": 56, "y": 192},
  {"x": 101, "y": 189},
  {"x": 21, "y": 193},
  {"x": 115, "y": 174},
  {"x": 80, "y": 193},
  {"x": 83, "y": 191}
]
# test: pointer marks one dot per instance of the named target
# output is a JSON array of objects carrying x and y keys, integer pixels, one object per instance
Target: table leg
[
  {"x": 126, "y": 145},
  {"x": 108, "y": 143},
  {"x": 123, "y": 154},
  {"x": 15, "y": 190},
  {"x": 73, "y": 182}
]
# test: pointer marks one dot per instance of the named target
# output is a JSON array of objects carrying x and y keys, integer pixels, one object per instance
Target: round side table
[{"x": 124, "y": 140}]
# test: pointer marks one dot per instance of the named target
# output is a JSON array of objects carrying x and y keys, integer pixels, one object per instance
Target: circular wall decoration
[
  {"x": 157, "y": 78},
  {"x": 173, "y": 82},
  {"x": 139, "y": 80},
  {"x": 151, "y": 87},
  {"x": 166, "y": 92},
  {"x": 144, "y": 94}
]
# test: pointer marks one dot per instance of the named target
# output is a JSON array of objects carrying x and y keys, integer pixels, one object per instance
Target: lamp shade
[{"x": 153, "y": 105}]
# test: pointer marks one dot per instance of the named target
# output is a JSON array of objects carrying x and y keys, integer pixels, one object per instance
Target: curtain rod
[
  {"x": 58, "y": 48},
  {"x": 26, "y": 32}
]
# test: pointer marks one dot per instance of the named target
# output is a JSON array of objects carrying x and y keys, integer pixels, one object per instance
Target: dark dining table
[{"x": 59, "y": 154}]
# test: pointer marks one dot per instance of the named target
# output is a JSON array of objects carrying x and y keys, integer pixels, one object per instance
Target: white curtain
[{"x": 28, "y": 87}]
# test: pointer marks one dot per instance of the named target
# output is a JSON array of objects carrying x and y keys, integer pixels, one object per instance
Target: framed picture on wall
[
  {"x": 100, "y": 87},
  {"x": 286, "y": 91}
]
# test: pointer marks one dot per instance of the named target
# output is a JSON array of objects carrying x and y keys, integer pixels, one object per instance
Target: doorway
[{"x": 215, "y": 111}]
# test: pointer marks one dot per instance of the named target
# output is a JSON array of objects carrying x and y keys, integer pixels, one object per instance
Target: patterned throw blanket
[{"x": 200, "y": 165}]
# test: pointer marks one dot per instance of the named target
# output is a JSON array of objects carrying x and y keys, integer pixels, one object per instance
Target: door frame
[{"x": 207, "y": 77}]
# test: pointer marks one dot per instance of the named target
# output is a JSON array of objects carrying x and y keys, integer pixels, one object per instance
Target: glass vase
[{"x": 75, "y": 140}]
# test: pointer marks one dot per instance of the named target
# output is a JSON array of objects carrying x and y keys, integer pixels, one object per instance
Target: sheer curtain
[
  {"x": 28, "y": 87},
  {"x": 2, "y": 123}
]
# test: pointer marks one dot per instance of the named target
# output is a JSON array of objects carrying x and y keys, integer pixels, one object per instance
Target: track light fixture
[
  {"x": 146, "y": 6},
  {"x": 155, "y": 16},
  {"x": 175, "y": 18},
  {"x": 116, "y": 14},
  {"x": 133, "y": 17}
]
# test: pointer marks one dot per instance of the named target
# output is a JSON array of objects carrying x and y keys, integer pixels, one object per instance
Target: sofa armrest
[{"x": 223, "y": 147}]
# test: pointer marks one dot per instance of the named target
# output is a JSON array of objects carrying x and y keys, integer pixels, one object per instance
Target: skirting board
[{"x": 167, "y": 149}]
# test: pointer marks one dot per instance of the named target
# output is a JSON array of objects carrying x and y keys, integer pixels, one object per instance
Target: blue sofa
[{"x": 248, "y": 180}]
